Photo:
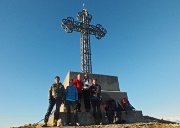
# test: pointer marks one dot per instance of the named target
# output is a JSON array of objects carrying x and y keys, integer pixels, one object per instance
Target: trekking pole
[{"x": 43, "y": 118}]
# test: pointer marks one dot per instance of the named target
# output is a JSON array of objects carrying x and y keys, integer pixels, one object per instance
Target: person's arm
[
  {"x": 76, "y": 94},
  {"x": 74, "y": 82},
  {"x": 89, "y": 83},
  {"x": 63, "y": 92},
  {"x": 50, "y": 93},
  {"x": 99, "y": 89},
  {"x": 90, "y": 90}
]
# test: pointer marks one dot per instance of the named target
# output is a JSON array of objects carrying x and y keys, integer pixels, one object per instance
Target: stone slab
[
  {"x": 107, "y": 82},
  {"x": 132, "y": 116},
  {"x": 86, "y": 118}
]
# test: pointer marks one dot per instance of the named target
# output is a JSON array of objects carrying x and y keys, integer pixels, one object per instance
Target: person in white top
[{"x": 86, "y": 93}]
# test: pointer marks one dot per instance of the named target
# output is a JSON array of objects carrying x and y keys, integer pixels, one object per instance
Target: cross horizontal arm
[{"x": 70, "y": 25}]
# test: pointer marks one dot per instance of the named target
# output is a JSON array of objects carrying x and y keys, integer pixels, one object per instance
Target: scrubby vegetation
[{"x": 135, "y": 125}]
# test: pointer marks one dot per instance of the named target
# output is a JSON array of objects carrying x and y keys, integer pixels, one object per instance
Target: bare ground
[{"x": 135, "y": 125}]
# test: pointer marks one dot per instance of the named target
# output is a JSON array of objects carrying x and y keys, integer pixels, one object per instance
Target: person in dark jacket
[
  {"x": 56, "y": 96},
  {"x": 95, "y": 92},
  {"x": 71, "y": 99}
]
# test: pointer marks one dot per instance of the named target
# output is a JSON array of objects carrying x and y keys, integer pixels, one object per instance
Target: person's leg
[
  {"x": 84, "y": 97},
  {"x": 116, "y": 117},
  {"x": 56, "y": 113},
  {"x": 99, "y": 111},
  {"x": 68, "y": 113},
  {"x": 79, "y": 101},
  {"x": 75, "y": 113},
  {"x": 110, "y": 117},
  {"x": 50, "y": 107},
  {"x": 93, "y": 103},
  {"x": 88, "y": 104}
]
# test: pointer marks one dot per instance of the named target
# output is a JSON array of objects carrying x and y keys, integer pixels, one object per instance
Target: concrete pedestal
[
  {"x": 86, "y": 118},
  {"x": 110, "y": 89}
]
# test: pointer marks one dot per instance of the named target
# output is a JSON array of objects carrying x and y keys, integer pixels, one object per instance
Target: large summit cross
[{"x": 83, "y": 26}]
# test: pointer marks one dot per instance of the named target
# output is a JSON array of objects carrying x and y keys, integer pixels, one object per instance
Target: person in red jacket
[
  {"x": 78, "y": 84},
  {"x": 124, "y": 102}
]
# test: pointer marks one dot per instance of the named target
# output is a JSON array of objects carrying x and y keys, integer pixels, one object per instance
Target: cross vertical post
[{"x": 85, "y": 29}]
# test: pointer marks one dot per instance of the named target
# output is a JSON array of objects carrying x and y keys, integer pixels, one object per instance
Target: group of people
[{"x": 71, "y": 97}]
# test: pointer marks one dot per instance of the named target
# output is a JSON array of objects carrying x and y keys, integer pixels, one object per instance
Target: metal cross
[{"x": 83, "y": 26}]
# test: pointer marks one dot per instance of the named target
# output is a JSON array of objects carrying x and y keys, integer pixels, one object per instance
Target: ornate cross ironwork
[{"x": 83, "y": 26}]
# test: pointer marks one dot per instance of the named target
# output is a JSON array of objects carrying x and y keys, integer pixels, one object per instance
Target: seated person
[{"x": 113, "y": 110}]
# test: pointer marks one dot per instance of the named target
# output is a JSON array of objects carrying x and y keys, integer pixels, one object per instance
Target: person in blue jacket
[{"x": 71, "y": 100}]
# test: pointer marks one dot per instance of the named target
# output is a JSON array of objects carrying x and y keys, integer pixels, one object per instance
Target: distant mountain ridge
[
  {"x": 162, "y": 120},
  {"x": 173, "y": 118}
]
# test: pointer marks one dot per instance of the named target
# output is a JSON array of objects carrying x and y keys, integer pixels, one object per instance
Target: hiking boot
[
  {"x": 55, "y": 123},
  {"x": 77, "y": 124},
  {"x": 45, "y": 124},
  {"x": 59, "y": 123}
]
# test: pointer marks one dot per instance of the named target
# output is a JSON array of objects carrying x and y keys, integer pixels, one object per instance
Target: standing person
[
  {"x": 78, "y": 84},
  {"x": 71, "y": 98},
  {"x": 95, "y": 92},
  {"x": 56, "y": 96},
  {"x": 86, "y": 92}
]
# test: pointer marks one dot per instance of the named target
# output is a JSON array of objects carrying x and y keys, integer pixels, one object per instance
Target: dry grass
[{"x": 135, "y": 125}]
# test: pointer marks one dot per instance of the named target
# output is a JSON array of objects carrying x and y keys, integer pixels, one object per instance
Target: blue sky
[{"x": 141, "y": 47}]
